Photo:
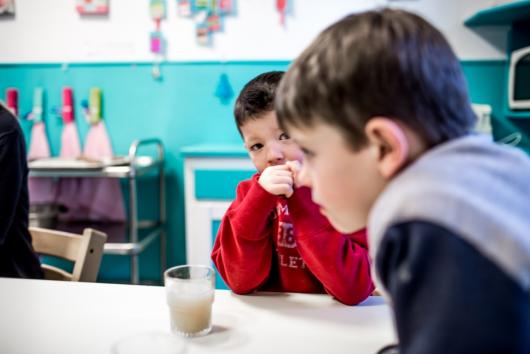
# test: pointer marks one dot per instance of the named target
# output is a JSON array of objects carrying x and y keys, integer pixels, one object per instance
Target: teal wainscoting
[{"x": 182, "y": 110}]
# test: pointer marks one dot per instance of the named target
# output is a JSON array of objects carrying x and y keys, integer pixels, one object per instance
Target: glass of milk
[{"x": 190, "y": 294}]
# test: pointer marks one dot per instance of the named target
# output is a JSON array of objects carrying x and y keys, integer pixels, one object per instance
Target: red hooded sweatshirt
[{"x": 271, "y": 243}]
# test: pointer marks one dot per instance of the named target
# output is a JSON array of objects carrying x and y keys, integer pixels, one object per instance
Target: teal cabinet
[
  {"x": 211, "y": 175},
  {"x": 515, "y": 15}
]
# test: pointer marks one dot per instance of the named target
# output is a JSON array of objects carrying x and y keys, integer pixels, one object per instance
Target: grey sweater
[
  {"x": 449, "y": 238},
  {"x": 476, "y": 189}
]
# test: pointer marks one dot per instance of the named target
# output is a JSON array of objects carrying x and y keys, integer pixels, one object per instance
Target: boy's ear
[{"x": 390, "y": 145}]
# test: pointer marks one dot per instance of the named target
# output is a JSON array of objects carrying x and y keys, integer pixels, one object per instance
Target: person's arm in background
[
  {"x": 243, "y": 247},
  {"x": 447, "y": 297},
  {"x": 340, "y": 262},
  {"x": 12, "y": 161}
]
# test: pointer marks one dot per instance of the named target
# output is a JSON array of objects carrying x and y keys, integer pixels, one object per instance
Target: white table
[{"x": 38, "y": 316}]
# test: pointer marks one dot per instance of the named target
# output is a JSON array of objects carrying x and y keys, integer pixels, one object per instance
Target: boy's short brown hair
[
  {"x": 388, "y": 63},
  {"x": 257, "y": 97}
]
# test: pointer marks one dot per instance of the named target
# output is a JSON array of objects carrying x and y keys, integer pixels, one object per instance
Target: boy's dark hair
[
  {"x": 388, "y": 63},
  {"x": 257, "y": 97}
]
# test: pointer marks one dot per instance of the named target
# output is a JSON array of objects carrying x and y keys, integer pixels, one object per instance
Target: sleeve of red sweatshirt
[
  {"x": 243, "y": 247},
  {"x": 339, "y": 261}
]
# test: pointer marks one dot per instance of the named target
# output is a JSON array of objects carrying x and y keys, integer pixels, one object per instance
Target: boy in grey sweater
[{"x": 379, "y": 105}]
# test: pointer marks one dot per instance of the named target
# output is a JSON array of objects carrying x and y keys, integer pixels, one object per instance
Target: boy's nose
[{"x": 275, "y": 155}]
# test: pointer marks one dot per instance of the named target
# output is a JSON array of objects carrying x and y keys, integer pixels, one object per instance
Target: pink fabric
[
  {"x": 70, "y": 145},
  {"x": 89, "y": 199},
  {"x": 97, "y": 143},
  {"x": 39, "y": 142},
  {"x": 101, "y": 198},
  {"x": 41, "y": 189},
  {"x": 68, "y": 189}
]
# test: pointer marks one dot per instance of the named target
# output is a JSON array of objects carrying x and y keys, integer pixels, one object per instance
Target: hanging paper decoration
[
  {"x": 92, "y": 7},
  {"x": 202, "y": 5},
  {"x": 7, "y": 7},
  {"x": 214, "y": 23},
  {"x": 12, "y": 100},
  {"x": 208, "y": 16},
  {"x": 283, "y": 7},
  {"x": 224, "y": 90},
  {"x": 225, "y": 7},
  {"x": 158, "y": 9},
  {"x": 157, "y": 41},
  {"x": 202, "y": 32},
  {"x": 184, "y": 8}
]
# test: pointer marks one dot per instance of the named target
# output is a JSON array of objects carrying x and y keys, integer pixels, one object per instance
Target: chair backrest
[{"x": 84, "y": 250}]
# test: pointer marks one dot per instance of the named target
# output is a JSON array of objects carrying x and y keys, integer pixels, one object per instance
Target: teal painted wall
[{"x": 182, "y": 110}]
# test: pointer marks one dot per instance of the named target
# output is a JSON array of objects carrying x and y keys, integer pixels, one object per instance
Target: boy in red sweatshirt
[{"x": 273, "y": 237}]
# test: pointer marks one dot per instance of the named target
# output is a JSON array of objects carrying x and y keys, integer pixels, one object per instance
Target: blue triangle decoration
[{"x": 224, "y": 90}]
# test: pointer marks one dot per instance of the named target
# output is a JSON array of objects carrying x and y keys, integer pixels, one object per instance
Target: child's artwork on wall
[
  {"x": 208, "y": 16},
  {"x": 7, "y": 7},
  {"x": 157, "y": 41},
  {"x": 92, "y": 7},
  {"x": 184, "y": 8},
  {"x": 284, "y": 8},
  {"x": 157, "y": 8}
]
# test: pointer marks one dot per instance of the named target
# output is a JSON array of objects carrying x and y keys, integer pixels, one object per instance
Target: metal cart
[{"x": 136, "y": 166}]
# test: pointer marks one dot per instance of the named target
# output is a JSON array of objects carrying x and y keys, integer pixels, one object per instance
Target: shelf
[
  {"x": 501, "y": 15},
  {"x": 133, "y": 236},
  {"x": 141, "y": 165},
  {"x": 517, "y": 114}
]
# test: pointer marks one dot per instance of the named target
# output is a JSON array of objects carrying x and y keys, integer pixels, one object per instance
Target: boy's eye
[
  {"x": 255, "y": 147},
  {"x": 307, "y": 153},
  {"x": 284, "y": 136}
]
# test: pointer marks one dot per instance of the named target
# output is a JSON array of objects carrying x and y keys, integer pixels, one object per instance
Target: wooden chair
[{"x": 84, "y": 250}]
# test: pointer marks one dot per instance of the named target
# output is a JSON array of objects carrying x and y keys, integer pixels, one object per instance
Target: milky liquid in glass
[
  {"x": 190, "y": 307},
  {"x": 190, "y": 295}
]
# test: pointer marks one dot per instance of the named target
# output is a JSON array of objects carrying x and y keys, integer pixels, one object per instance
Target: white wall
[
  {"x": 449, "y": 16},
  {"x": 52, "y": 31}
]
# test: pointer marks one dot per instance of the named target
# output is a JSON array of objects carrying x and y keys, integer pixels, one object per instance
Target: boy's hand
[
  {"x": 277, "y": 180},
  {"x": 295, "y": 167}
]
